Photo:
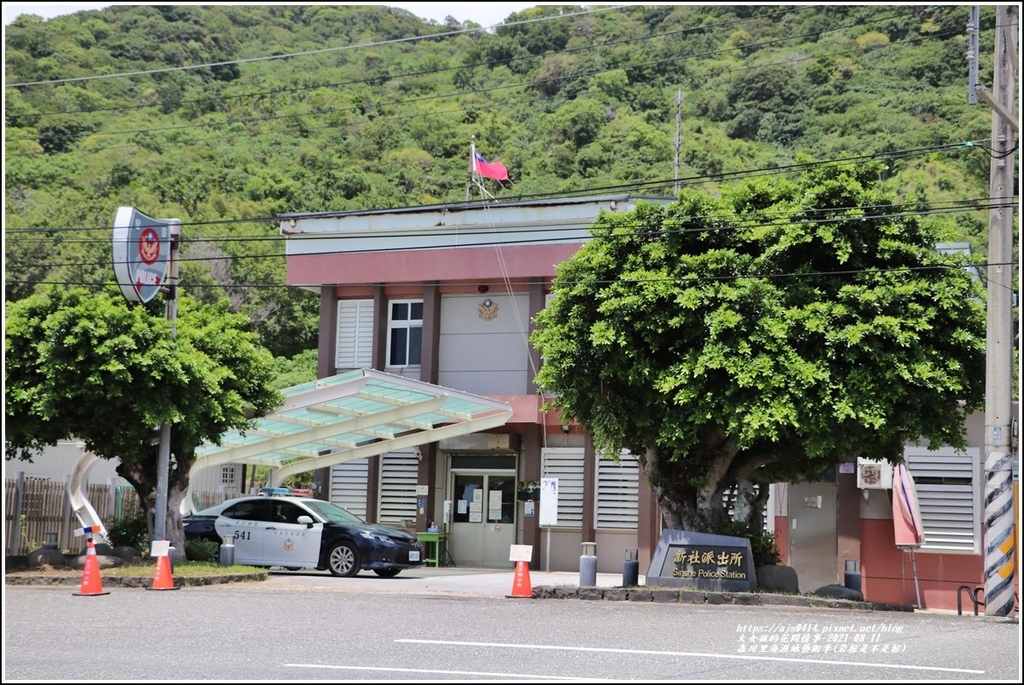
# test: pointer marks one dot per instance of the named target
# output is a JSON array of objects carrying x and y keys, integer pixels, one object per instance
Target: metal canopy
[{"x": 350, "y": 416}]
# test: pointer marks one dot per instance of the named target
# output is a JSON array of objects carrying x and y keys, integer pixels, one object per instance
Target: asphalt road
[{"x": 461, "y": 625}]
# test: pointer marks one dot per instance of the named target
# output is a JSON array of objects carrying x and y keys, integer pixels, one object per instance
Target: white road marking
[
  {"x": 740, "y": 657},
  {"x": 518, "y": 676}
]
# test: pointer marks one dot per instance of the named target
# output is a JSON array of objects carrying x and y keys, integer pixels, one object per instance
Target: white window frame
[
  {"x": 229, "y": 474},
  {"x": 408, "y": 325}
]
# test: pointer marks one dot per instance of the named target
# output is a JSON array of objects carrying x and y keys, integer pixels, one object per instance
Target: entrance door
[
  {"x": 812, "y": 534},
  {"x": 483, "y": 518}
]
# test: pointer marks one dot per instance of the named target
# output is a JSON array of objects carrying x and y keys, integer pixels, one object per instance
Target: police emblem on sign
[{"x": 141, "y": 250}]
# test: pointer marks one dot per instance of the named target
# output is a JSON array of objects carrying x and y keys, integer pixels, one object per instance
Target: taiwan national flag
[{"x": 482, "y": 167}]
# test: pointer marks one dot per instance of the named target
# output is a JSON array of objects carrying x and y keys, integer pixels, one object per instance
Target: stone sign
[{"x": 719, "y": 563}]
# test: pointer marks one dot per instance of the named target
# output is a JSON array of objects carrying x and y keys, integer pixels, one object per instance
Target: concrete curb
[
  {"x": 135, "y": 581},
  {"x": 689, "y": 596},
  {"x": 644, "y": 593}
]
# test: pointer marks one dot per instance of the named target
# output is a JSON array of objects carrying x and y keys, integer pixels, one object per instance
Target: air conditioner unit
[{"x": 874, "y": 475}]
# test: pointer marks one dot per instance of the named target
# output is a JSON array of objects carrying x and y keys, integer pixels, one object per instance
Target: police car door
[
  {"x": 287, "y": 542},
  {"x": 243, "y": 524}
]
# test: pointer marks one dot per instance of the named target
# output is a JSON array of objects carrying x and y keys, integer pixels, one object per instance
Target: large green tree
[
  {"x": 90, "y": 366},
  {"x": 762, "y": 336}
]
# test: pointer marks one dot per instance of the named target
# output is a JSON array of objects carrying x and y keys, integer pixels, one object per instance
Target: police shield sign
[{"x": 142, "y": 253}]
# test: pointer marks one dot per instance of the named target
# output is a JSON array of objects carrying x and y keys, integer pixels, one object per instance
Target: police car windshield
[{"x": 332, "y": 512}]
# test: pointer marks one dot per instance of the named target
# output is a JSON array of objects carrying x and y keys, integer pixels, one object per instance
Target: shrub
[
  {"x": 762, "y": 542},
  {"x": 130, "y": 532},
  {"x": 201, "y": 550}
]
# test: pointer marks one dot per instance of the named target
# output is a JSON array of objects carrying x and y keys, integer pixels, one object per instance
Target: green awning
[{"x": 350, "y": 416}]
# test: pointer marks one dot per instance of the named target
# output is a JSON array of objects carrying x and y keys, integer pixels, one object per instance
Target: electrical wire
[
  {"x": 717, "y": 177},
  {"x": 265, "y": 58},
  {"x": 431, "y": 72},
  {"x": 397, "y": 103}
]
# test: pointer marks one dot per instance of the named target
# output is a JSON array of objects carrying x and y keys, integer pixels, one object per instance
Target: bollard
[
  {"x": 227, "y": 554},
  {"x": 631, "y": 570},
  {"x": 588, "y": 565}
]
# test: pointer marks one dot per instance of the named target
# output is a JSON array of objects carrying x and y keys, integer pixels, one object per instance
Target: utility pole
[
  {"x": 999, "y": 514},
  {"x": 679, "y": 144},
  {"x": 145, "y": 257}
]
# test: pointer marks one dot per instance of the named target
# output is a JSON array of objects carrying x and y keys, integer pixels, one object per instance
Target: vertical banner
[{"x": 548, "y": 501}]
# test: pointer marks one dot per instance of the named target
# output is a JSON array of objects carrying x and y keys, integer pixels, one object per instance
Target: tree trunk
[
  {"x": 144, "y": 480},
  {"x": 685, "y": 506}
]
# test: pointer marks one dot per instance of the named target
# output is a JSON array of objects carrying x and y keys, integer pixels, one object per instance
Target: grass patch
[{"x": 186, "y": 569}]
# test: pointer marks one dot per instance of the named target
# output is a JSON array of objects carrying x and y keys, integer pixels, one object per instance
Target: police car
[{"x": 284, "y": 528}]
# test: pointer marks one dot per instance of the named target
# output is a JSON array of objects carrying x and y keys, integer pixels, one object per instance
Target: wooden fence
[{"x": 40, "y": 512}]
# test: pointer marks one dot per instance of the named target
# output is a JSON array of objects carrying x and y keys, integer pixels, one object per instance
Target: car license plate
[{"x": 414, "y": 556}]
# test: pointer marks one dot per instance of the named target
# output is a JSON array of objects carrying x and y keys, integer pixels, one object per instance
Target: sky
[{"x": 483, "y": 13}]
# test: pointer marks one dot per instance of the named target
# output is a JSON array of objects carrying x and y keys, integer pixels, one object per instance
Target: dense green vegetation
[
  {"x": 762, "y": 336},
  {"x": 227, "y": 115},
  {"x": 86, "y": 365}
]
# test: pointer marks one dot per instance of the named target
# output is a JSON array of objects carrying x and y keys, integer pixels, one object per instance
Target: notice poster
[
  {"x": 548, "y": 501},
  {"x": 494, "y": 505}
]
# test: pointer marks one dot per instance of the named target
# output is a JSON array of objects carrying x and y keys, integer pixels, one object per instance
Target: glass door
[{"x": 483, "y": 518}]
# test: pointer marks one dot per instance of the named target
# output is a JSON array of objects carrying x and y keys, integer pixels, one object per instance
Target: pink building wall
[{"x": 887, "y": 574}]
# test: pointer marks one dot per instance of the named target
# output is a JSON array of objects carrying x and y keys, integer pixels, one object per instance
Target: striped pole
[
  {"x": 999, "y": 523},
  {"x": 999, "y": 514}
]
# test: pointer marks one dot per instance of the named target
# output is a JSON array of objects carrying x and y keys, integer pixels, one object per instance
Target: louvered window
[
  {"x": 355, "y": 334},
  {"x": 398, "y": 475},
  {"x": 566, "y": 464},
  {"x": 948, "y": 485},
  {"x": 618, "y": 492},
  {"x": 348, "y": 486}
]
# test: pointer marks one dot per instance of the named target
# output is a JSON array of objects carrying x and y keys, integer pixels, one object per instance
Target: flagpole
[{"x": 472, "y": 156}]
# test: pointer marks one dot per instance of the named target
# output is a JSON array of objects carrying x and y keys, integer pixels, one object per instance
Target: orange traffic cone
[
  {"x": 91, "y": 583},
  {"x": 163, "y": 579},
  {"x": 521, "y": 583}
]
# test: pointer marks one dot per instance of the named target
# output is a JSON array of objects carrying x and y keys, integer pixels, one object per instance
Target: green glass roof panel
[{"x": 363, "y": 410}]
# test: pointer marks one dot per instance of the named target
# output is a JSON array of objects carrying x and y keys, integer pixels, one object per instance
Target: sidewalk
[
  {"x": 482, "y": 582},
  {"x": 448, "y": 580},
  {"x": 489, "y": 582}
]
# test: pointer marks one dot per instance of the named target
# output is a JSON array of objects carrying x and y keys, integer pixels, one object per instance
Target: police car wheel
[
  {"x": 387, "y": 572},
  {"x": 343, "y": 560},
  {"x": 292, "y": 568}
]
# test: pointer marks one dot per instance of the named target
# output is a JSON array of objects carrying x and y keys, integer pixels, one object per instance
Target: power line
[
  {"x": 373, "y": 44},
  {"x": 524, "y": 284},
  {"x": 906, "y": 209},
  {"x": 431, "y": 72},
  {"x": 397, "y": 103},
  {"x": 736, "y": 223},
  {"x": 748, "y": 173}
]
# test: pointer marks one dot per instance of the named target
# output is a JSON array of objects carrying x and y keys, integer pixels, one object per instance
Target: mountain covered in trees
[{"x": 225, "y": 116}]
